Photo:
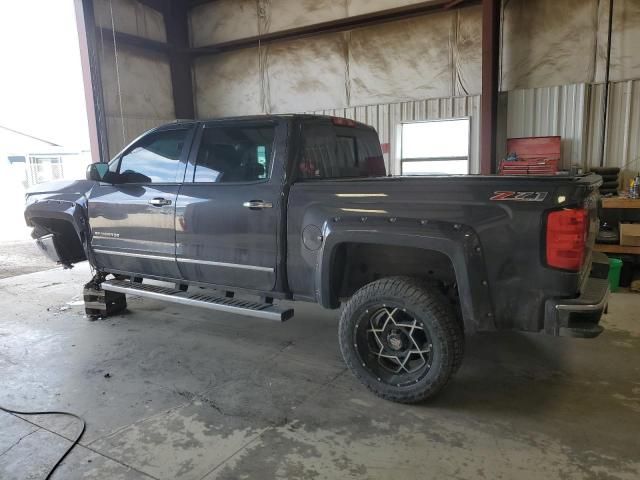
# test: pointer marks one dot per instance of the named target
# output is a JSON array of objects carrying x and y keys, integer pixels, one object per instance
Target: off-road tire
[{"x": 427, "y": 305}]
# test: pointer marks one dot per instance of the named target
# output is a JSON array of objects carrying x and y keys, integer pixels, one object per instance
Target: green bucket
[{"x": 615, "y": 267}]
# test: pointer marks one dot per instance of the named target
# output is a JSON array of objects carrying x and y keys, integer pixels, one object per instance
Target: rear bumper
[{"x": 580, "y": 317}]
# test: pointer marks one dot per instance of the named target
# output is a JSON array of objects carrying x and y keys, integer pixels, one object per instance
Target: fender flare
[{"x": 458, "y": 242}]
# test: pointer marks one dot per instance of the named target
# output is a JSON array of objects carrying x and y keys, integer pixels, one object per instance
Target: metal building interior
[{"x": 169, "y": 391}]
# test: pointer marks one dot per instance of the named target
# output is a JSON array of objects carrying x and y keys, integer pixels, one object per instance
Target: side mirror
[{"x": 97, "y": 171}]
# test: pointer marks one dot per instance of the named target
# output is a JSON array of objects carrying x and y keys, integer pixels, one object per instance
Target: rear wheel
[{"x": 401, "y": 338}]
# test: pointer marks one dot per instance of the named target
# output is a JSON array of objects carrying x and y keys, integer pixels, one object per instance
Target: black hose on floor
[{"x": 75, "y": 442}]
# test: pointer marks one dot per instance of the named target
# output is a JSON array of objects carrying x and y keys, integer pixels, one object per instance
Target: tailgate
[{"x": 592, "y": 205}]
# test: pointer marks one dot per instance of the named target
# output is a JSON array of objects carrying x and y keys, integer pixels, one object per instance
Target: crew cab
[{"x": 299, "y": 207}]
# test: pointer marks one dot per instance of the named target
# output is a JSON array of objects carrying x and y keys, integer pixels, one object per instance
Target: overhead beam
[
  {"x": 490, "y": 85},
  {"x": 196, "y": 3},
  {"x": 157, "y": 5},
  {"x": 338, "y": 25},
  {"x": 134, "y": 41},
  {"x": 453, "y": 3}
]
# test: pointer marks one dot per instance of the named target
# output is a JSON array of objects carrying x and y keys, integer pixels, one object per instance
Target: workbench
[{"x": 618, "y": 203}]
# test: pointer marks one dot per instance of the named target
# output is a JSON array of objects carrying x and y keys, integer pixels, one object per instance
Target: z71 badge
[{"x": 519, "y": 196}]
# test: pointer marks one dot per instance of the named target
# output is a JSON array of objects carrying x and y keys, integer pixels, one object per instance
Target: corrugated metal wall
[
  {"x": 575, "y": 112},
  {"x": 623, "y": 126},
  {"x": 387, "y": 118},
  {"x": 572, "y": 111},
  {"x": 551, "y": 111}
]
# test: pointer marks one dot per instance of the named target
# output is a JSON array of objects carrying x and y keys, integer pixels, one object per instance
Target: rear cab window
[{"x": 337, "y": 151}]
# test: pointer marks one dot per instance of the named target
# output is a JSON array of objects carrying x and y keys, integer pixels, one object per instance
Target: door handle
[
  {"x": 159, "y": 202},
  {"x": 257, "y": 204}
]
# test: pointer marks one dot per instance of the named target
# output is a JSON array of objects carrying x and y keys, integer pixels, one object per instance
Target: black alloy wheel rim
[{"x": 393, "y": 345}]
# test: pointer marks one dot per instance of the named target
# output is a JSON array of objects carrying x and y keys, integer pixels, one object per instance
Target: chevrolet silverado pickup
[{"x": 238, "y": 213}]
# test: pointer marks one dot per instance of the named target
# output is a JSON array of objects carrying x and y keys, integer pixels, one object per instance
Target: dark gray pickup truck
[{"x": 299, "y": 207}]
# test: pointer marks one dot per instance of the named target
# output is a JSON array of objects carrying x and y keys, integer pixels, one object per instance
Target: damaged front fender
[{"x": 57, "y": 212}]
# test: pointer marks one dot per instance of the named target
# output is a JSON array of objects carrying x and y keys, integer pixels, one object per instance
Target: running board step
[{"x": 212, "y": 302}]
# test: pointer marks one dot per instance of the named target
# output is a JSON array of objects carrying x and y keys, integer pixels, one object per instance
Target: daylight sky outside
[{"x": 41, "y": 89}]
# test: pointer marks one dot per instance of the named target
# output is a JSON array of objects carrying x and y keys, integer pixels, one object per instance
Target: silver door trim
[
  {"x": 135, "y": 255},
  {"x": 257, "y": 204},
  {"x": 223, "y": 264},
  {"x": 185, "y": 260}
]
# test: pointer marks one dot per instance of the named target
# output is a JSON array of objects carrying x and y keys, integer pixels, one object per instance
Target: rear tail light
[{"x": 567, "y": 238}]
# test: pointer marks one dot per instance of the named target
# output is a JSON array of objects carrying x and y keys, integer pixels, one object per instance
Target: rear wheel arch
[
  {"x": 455, "y": 264},
  {"x": 356, "y": 264}
]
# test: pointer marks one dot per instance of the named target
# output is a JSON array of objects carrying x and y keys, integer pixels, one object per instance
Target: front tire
[{"x": 401, "y": 339}]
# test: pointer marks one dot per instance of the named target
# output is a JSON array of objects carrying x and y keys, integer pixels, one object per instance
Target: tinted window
[
  {"x": 234, "y": 154},
  {"x": 154, "y": 159},
  {"x": 340, "y": 153}
]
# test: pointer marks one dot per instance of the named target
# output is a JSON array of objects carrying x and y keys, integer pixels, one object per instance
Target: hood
[{"x": 61, "y": 187}]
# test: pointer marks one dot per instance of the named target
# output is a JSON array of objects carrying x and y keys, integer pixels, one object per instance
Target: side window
[
  {"x": 154, "y": 159},
  {"x": 234, "y": 154},
  {"x": 340, "y": 152}
]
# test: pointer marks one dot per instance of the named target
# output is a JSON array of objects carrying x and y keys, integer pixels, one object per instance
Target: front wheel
[{"x": 401, "y": 338}]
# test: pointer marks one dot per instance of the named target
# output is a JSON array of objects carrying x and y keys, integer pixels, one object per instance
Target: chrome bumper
[{"x": 578, "y": 317}]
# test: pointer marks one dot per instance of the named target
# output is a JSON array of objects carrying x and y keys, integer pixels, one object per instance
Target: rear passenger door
[{"x": 228, "y": 210}]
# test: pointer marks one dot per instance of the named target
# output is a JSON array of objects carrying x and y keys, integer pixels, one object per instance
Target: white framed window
[
  {"x": 435, "y": 147},
  {"x": 44, "y": 168}
]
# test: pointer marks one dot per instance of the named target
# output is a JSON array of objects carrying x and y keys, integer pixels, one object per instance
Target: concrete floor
[
  {"x": 175, "y": 392},
  {"x": 22, "y": 256}
]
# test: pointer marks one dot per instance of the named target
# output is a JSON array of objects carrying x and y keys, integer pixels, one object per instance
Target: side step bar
[{"x": 222, "y": 304}]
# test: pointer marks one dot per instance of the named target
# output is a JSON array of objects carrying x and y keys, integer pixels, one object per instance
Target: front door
[
  {"x": 228, "y": 209},
  {"x": 133, "y": 219}
]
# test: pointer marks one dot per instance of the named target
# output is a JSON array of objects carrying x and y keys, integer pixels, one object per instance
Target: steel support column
[
  {"x": 176, "y": 23},
  {"x": 92, "y": 80},
  {"x": 490, "y": 81}
]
